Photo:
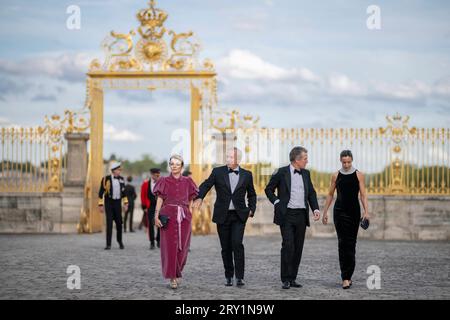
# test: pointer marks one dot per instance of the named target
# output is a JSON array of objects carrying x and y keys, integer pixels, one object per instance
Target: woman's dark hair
[
  {"x": 129, "y": 178},
  {"x": 346, "y": 153}
]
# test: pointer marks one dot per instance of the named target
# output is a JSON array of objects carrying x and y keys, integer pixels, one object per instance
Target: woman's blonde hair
[{"x": 178, "y": 157}]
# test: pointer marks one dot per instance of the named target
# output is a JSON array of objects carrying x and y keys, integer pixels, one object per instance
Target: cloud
[
  {"x": 9, "y": 86},
  {"x": 6, "y": 123},
  {"x": 44, "y": 97},
  {"x": 341, "y": 84},
  {"x": 63, "y": 66},
  {"x": 111, "y": 133},
  {"x": 243, "y": 64},
  {"x": 246, "y": 78}
]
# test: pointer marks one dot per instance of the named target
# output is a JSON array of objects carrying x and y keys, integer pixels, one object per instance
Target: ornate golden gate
[{"x": 148, "y": 64}]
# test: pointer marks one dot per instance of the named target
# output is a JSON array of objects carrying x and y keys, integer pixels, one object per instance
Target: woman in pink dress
[{"x": 175, "y": 194}]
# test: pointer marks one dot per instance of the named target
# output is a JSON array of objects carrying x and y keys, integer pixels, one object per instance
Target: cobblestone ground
[{"x": 34, "y": 267}]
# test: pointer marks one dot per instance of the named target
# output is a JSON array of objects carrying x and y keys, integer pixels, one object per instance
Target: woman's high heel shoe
[{"x": 347, "y": 286}]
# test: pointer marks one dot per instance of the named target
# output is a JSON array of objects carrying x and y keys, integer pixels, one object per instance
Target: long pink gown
[{"x": 176, "y": 236}]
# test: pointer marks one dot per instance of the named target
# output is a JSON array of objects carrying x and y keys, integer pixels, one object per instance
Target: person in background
[
  {"x": 111, "y": 195},
  {"x": 155, "y": 174},
  {"x": 130, "y": 193}
]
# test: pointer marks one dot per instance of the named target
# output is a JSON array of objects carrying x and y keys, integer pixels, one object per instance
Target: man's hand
[
  {"x": 316, "y": 215},
  {"x": 325, "y": 218},
  {"x": 100, "y": 208},
  {"x": 198, "y": 203}
]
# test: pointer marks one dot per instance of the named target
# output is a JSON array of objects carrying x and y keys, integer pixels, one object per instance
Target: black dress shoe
[
  {"x": 108, "y": 248},
  {"x": 131, "y": 230},
  {"x": 229, "y": 282},
  {"x": 239, "y": 282},
  {"x": 295, "y": 284},
  {"x": 286, "y": 285},
  {"x": 152, "y": 246},
  {"x": 121, "y": 246},
  {"x": 157, "y": 244}
]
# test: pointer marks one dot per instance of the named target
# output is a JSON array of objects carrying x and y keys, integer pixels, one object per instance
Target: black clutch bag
[
  {"x": 164, "y": 220},
  {"x": 364, "y": 223}
]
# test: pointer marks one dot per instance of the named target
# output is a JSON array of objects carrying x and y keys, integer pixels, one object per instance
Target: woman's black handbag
[
  {"x": 364, "y": 223},
  {"x": 164, "y": 220}
]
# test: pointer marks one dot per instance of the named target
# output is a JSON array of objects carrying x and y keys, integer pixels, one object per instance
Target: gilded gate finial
[{"x": 152, "y": 52}]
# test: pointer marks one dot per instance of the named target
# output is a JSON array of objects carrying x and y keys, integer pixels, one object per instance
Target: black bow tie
[
  {"x": 231, "y": 171},
  {"x": 297, "y": 171}
]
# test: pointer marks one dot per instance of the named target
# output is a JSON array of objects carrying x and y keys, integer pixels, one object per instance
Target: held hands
[
  {"x": 100, "y": 208},
  {"x": 197, "y": 203},
  {"x": 325, "y": 218},
  {"x": 316, "y": 215}
]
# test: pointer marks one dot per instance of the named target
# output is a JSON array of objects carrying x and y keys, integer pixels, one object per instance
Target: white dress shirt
[
  {"x": 116, "y": 194},
  {"x": 297, "y": 199},
  {"x": 234, "y": 179}
]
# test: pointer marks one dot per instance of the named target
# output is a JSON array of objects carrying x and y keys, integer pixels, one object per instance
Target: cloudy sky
[{"x": 294, "y": 63}]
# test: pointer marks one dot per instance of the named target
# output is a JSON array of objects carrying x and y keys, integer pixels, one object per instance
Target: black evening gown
[{"x": 347, "y": 215}]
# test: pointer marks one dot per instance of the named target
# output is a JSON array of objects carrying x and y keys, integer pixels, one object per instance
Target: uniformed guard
[{"x": 111, "y": 197}]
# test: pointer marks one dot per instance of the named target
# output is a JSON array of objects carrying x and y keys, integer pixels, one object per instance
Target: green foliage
[{"x": 138, "y": 167}]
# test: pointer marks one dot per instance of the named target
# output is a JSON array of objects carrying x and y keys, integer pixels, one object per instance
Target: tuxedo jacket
[
  {"x": 281, "y": 181},
  {"x": 220, "y": 179},
  {"x": 151, "y": 197},
  {"x": 106, "y": 190}
]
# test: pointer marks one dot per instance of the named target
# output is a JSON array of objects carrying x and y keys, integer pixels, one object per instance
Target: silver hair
[
  {"x": 296, "y": 152},
  {"x": 178, "y": 157}
]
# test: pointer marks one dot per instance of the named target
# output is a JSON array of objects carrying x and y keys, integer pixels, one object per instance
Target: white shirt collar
[{"x": 292, "y": 168}]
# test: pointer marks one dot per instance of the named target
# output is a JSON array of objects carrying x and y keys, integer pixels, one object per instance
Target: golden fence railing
[
  {"x": 25, "y": 165},
  {"x": 396, "y": 159},
  {"x": 33, "y": 159}
]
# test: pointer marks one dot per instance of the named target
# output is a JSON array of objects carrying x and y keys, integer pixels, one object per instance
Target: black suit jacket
[
  {"x": 281, "y": 181},
  {"x": 220, "y": 179},
  {"x": 152, "y": 198}
]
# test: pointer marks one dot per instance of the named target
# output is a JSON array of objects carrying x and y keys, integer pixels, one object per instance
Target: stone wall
[{"x": 41, "y": 212}]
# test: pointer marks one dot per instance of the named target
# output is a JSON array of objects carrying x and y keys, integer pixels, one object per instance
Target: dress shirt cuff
[
  {"x": 276, "y": 201},
  {"x": 317, "y": 211}
]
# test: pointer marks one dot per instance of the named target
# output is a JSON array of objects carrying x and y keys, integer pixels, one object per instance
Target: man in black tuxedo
[
  {"x": 155, "y": 174},
  {"x": 111, "y": 195},
  {"x": 230, "y": 211},
  {"x": 295, "y": 192}
]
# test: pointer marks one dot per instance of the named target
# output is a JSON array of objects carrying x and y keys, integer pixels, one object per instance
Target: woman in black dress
[{"x": 349, "y": 182}]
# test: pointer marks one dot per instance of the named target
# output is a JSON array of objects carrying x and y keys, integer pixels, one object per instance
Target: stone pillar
[
  {"x": 77, "y": 160},
  {"x": 73, "y": 193}
]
